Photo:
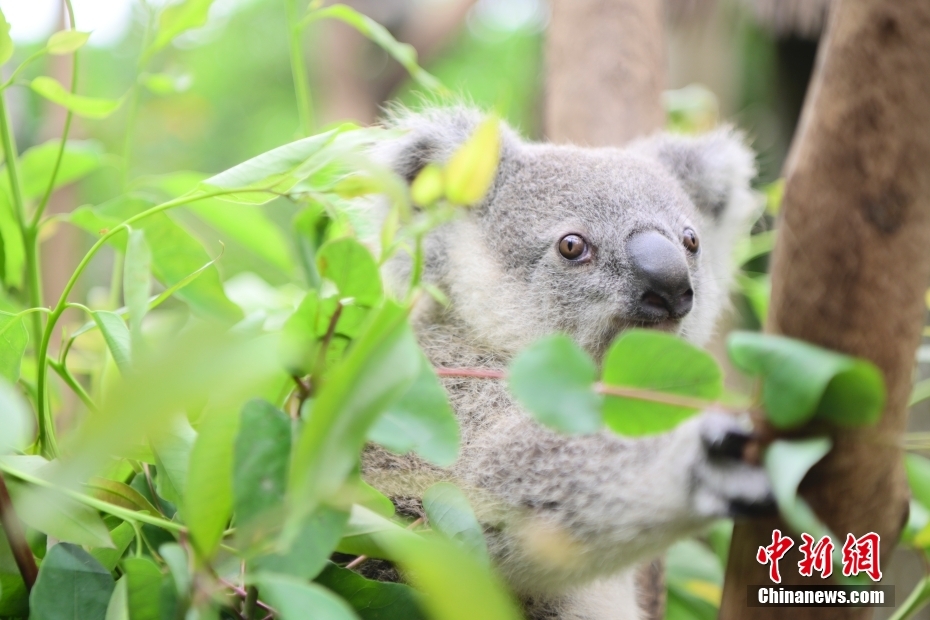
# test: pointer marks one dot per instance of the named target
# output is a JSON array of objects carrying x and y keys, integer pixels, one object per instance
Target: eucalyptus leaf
[
  {"x": 71, "y": 584},
  {"x": 351, "y": 267},
  {"x": 87, "y": 107},
  {"x": 54, "y": 513},
  {"x": 451, "y": 515},
  {"x": 118, "y": 607},
  {"x": 422, "y": 421},
  {"x": 658, "y": 362},
  {"x": 372, "y": 600},
  {"x": 66, "y": 42},
  {"x": 177, "y": 19},
  {"x": 6, "y": 42},
  {"x": 122, "y": 536},
  {"x": 208, "y": 501},
  {"x": 120, "y": 494},
  {"x": 291, "y": 597},
  {"x": 306, "y": 556},
  {"x": 80, "y": 158},
  {"x": 172, "y": 457},
  {"x": 801, "y": 381},
  {"x": 260, "y": 462},
  {"x": 554, "y": 379},
  {"x": 473, "y": 167},
  {"x": 117, "y": 337},
  {"x": 144, "y": 588}
]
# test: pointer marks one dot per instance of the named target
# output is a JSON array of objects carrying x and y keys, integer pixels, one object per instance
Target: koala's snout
[{"x": 662, "y": 275}]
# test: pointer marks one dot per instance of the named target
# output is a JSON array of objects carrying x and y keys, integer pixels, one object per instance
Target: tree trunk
[
  {"x": 604, "y": 79},
  {"x": 850, "y": 270},
  {"x": 605, "y": 71}
]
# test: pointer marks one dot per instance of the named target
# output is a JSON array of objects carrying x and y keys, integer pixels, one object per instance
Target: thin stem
[
  {"x": 73, "y": 383},
  {"x": 917, "y": 599},
  {"x": 608, "y": 390},
  {"x": 299, "y": 69},
  {"x": 250, "y": 607},
  {"x": 33, "y": 278},
  {"x": 13, "y": 528},
  {"x": 40, "y": 209},
  {"x": 22, "y": 66},
  {"x": 363, "y": 558},
  {"x": 111, "y": 509},
  {"x": 242, "y": 593}
]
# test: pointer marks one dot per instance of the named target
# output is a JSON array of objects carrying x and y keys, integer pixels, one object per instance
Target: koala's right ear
[{"x": 430, "y": 136}]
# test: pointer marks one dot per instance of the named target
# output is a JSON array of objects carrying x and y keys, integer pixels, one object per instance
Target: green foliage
[
  {"x": 554, "y": 379},
  {"x": 246, "y": 352},
  {"x": 801, "y": 381}
]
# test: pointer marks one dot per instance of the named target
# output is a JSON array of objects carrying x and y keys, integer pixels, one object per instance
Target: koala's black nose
[{"x": 662, "y": 274}]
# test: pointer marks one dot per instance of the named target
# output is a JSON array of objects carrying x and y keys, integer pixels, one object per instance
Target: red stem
[{"x": 17, "y": 539}]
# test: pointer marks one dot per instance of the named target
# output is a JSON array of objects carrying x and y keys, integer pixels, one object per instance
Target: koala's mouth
[{"x": 665, "y": 325}]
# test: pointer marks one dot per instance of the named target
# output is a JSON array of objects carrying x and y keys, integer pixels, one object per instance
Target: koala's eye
[
  {"x": 572, "y": 247},
  {"x": 690, "y": 240}
]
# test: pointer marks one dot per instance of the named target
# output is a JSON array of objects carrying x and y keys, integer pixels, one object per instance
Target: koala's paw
[{"x": 725, "y": 484}]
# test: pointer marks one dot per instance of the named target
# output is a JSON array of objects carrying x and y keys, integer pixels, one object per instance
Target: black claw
[
  {"x": 730, "y": 445},
  {"x": 753, "y": 510}
]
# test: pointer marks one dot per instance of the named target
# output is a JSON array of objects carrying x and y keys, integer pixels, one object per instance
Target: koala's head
[{"x": 586, "y": 241}]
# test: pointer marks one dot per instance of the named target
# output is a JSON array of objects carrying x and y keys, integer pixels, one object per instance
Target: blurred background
[{"x": 224, "y": 92}]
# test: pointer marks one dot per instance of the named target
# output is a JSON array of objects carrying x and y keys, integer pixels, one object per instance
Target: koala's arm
[{"x": 568, "y": 509}]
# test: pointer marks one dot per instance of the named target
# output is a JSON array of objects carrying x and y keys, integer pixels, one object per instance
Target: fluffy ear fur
[
  {"x": 715, "y": 169},
  {"x": 430, "y": 136}
]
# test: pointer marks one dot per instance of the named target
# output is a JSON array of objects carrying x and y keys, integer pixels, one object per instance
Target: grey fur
[{"x": 568, "y": 517}]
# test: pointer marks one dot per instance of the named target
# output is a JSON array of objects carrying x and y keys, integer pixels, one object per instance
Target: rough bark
[
  {"x": 605, "y": 71},
  {"x": 850, "y": 269}
]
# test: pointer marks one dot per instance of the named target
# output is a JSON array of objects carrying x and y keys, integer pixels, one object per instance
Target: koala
[{"x": 587, "y": 242}]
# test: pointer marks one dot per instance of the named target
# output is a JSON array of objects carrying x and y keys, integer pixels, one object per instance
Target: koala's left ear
[{"x": 715, "y": 169}]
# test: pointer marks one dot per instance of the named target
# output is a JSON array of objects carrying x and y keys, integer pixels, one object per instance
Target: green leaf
[
  {"x": 13, "y": 340},
  {"x": 71, "y": 585},
  {"x": 918, "y": 477},
  {"x": 427, "y": 188},
  {"x": 163, "y": 84},
  {"x": 137, "y": 284},
  {"x": 277, "y": 171},
  {"x": 87, "y": 107},
  {"x": 381, "y": 366},
  {"x": 658, "y": 362},
  {"x": 292, "y": 597},
  {"x": 117, "y": 337},
  {"x": 122, "y": 535},
  {"x": 176, "y": 255},
  {"x": 120, "y": 494},
  {"x": 16, "y": 420},
  {"x": 179, "y": 18},
  {"x": 451, "y": 515},
  {"x": 6, "y": 42},
  {"x": 208, "y": 501},
  {"x": 372, "y": 600},
  {"x": 787, "y": 462},
  {"x": 66, "y": 41},
  {"x": 178, "y": 567},
  {"x": 307, "y": 555},
  {"x": 260, "y": 463},
  {"x": 554, "y": 379},
  {"x": 118, "y": 607},
  {"x": 172, "y": 457},
  {"x": 455, "y": 585},
  {"x": 403, "y": 53},
  {"x": 51, "y": 511},
  {"x": 144, "y": 588},
  {"x": 421, "y": 421},
  {"x": 368, "y": 533},
  {"x": 350, "y": 266},
  {"x": 801, "y": 381},
  {"x": 473, "y": 167},
  {"x": 80, "y": 158}
]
